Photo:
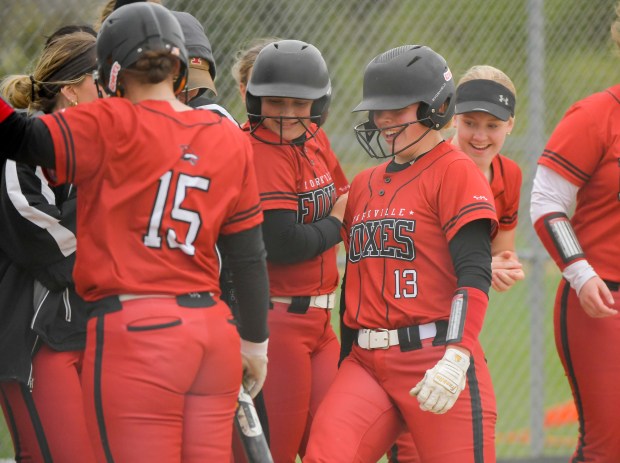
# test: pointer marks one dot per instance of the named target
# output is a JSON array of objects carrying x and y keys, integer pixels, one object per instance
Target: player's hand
[
  {"x": 442, "y": 384},
  {"x": 254, "y": 359},
  {"x": 507, "y": 270},
  {"x": 339, "y": 207},
  {"x": 596, "y": 299}
]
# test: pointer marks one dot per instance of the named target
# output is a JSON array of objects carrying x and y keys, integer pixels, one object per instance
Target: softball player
[
  {"x": 43, "y": 343},
  {"x": 484, "y": 116},
  {"x": 580, "y": 165},
  {"x": 156, "y": 192},
  {"x": 303, "y": 193},
  {"x": 418, "y": 232}
]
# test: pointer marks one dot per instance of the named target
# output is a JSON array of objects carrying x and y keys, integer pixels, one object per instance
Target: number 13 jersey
[{"x": 398, "y": 223}]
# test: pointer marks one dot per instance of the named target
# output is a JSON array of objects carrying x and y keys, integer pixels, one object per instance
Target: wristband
[
  {"x": 469, "y": 306},
  {"x": 557, "y": 235}
]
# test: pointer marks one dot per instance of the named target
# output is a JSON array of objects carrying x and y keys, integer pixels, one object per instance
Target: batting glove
[
  {"x": 442, "y": 384},
  {"x": 254, "y": 358}
]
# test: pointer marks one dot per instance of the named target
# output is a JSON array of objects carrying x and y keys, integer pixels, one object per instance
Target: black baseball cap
[{"x": 486, "y": 96}]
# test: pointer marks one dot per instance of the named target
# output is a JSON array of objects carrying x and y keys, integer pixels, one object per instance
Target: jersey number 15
[{"x": 153, "y": 238}]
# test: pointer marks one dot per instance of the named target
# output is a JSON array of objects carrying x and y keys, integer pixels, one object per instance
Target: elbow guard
[{"x": 557, "y": 235}]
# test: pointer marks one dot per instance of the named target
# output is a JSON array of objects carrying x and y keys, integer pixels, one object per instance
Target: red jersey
[
  {"x": 506, "y": 188},
  {"x": 306, "y": 179},
  {"x": 585, "y": 149},
  {"x": 398, "y": 228},
  {"x": 149, "y": 214}
]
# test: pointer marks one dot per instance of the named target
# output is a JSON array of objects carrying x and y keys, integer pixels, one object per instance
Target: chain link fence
[{"x": 556, "y": 51}]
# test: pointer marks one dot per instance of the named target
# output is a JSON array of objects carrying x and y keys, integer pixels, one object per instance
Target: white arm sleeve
[{"x": 553, "y": 193}]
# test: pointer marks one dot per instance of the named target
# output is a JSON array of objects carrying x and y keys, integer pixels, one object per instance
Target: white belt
[
  {"x": 131, "y": 297},
  {"x": 383, "y": 339},
  {"x": 323, "y": 301}
]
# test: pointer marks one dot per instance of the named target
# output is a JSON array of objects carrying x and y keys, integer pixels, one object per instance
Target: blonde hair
[
  {"x": 486, "y": 72},
  {"x": 37, "y": 91},
  {"x": 615, "y": 27},
  {"x": 108, "y": 8},
  {"x": 244, "y": 59}
]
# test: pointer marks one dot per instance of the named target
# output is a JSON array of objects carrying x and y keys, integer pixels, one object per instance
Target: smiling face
[
  {"x": 401, "y": 132},
  {"x": 481, "y": 135},
  {"x": 286, "y": 117}
]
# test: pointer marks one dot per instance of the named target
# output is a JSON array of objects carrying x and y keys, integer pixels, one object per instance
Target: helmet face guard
[
  {"x": 289, "y": 69},
  {"x": 311, "y": 125},
  {"x": 128, "y": 33},
  {"x": 399, "y": 78},
  {"x": 369, "y": 137}
]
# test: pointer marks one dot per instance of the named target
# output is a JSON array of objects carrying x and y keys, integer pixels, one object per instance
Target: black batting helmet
[
  {"x": 289, "y": 69},
  {"x": 401, "y": 77},
  {"x": 132, "y": 30}
]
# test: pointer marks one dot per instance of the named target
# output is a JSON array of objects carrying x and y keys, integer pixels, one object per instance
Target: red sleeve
[
  {"x": 82, "y": 136},
  {"x": 577, "y": 133},
  {"x": 464, "y": 196},
  {"x": 247, "y": 212},
  {"x": 508, "y": 205}
]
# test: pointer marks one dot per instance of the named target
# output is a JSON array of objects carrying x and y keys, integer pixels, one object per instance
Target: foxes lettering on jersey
[
  {"x": 396, "y": 239},
  {"x": 176, "y": 195},
  {"x": 312, "y": 191},
  {"x": 386, "y": 214},
  {"x": 316, "y": 204}
]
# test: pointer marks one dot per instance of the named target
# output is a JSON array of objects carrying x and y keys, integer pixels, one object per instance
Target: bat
[{"x": 250, "y": 430}]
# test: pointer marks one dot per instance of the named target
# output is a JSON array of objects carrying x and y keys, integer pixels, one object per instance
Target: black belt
[{"x": 113, "y": 304}]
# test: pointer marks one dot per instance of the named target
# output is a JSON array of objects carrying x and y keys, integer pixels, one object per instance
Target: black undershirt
[{"x": 288, "y": 242}]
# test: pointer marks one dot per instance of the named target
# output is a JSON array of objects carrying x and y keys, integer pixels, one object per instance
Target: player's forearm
[
  {"x": 471, "y": 254},
  {"x": 288, "y": 242},
  {"x": 246, "y": 257},
  {"x": 24, "y": 139},
  {"x": 552, "y": 197}
]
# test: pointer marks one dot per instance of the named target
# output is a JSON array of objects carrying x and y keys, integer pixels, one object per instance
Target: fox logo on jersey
[
  {"x": 316, "y": 204},
  {"x": 392, "y": 238},
  {"x": 188, "y": 156}
]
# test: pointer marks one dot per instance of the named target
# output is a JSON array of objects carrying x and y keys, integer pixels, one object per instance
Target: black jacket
[{"x": 37, "y": 253}]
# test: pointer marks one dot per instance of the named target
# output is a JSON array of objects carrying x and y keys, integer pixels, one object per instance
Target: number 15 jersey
[{"x": 156, "y": 189}]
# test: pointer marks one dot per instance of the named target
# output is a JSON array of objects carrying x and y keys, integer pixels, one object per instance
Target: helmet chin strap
[
  {"x": 260, "y": 121},
  {"x": 394, "y": 153},
  {"x": 99, "y": 91}
]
